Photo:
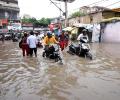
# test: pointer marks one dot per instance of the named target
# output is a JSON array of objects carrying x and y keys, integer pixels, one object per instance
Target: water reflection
[{"x": 42, "y": 79}]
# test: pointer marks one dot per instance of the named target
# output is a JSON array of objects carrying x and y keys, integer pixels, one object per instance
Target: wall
[
  {"x": 108, "y": 15},
  {"x": 111, "y": 32},
  {"x": 96, "y": 33},
  {"x": 73, "y": 21},
  {"x": 2, "y": 14},
  {"x": 97, "y": 17},
  {"x": 88, "y": 19},
  {"x": 93, "y": 17},
  {"x": 85, "y": 19}
]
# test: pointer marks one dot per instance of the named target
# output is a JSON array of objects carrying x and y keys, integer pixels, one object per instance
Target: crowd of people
[
  {"x": 33, "y": 40},
  {"x": 30, "y": 41}
]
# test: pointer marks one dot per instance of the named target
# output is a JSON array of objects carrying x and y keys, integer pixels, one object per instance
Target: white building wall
[
  {"x": 96, "y": 33},
  {"x": 111, "y": 32}
]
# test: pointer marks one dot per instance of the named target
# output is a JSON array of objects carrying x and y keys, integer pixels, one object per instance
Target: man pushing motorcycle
[
  {"x": 83, "y": 48},
  {"x": 82, "y": 36}
]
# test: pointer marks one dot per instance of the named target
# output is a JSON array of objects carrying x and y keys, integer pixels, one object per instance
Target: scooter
[
  {"x": 82, "y": 49},
  {"x": 15, "y": 39},
  {"x": 52, "y": 52},
  {"x": 39, "y": 45}
]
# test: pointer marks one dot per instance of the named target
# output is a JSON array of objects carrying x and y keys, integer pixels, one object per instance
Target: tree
[
  {"x": 76, "y": 14},
  {"x": 25, "y": 20},
  {"x": 45, "y": 21},
  {"x": 37, "y": 23}
]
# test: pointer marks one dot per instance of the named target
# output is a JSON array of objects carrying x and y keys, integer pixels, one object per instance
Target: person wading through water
[
  {"x": 32, "y": 42},
  {"x": 63, "y": 39},
  {"x": 24, "y": 45}
]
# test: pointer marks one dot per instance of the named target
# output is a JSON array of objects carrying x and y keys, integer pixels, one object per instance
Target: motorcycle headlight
[{"x": 85, "y": 46}]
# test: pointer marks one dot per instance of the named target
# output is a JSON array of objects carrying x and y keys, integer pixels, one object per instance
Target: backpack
[{"x": 20, "y": 44}]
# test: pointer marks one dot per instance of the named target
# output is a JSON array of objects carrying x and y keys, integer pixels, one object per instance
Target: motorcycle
[
  {"x": 39, "y": 45},
  {"x": 82, "y": 49},
  {"x": 52, "y": 52},
  {"x": 15, "y": 39}
]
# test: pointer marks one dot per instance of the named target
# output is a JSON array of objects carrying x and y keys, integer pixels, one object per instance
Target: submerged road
[{"x": 25, "y": 78}]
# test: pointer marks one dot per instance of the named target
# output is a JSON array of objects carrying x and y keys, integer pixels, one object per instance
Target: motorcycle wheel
[
  {"x": 56, "y": 59},
  {"x": 89, "y": 55},
  {"x": 70, "y": 52},
  {"x": 43, "y": 54}
]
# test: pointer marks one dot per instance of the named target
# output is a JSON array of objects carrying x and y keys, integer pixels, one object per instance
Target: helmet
[
  {"x": 84, "y": 30},
  {"x": 49, "y": 34},
  {"x": 63, "y": 31}
]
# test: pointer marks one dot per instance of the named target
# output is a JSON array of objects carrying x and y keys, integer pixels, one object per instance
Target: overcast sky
[{"x": 43, "y": 8}]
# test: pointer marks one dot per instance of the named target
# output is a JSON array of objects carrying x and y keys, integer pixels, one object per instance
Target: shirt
[
  {"x": 32, "y": 41},
  {"x": 38, "y": 38},
  {"x": 24, "y": 41},
  {"x": 48, "y": 41},
  {"x": 62, "y": 37},
  {"x": 81, "y": 36}
]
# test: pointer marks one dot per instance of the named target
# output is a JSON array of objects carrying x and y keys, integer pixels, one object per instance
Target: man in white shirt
[
  {"x": 83, "y": 35},
  {"x": 32, "y": 42}
]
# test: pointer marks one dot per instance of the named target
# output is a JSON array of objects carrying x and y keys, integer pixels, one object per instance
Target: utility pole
[
  {"x": 66, "y": 13},
  {"x": 59, "y": 19},
  {"x": 66, "y": 10}
]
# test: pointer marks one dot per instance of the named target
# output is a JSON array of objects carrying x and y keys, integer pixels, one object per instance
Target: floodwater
[{"x": 25, "y": 78}]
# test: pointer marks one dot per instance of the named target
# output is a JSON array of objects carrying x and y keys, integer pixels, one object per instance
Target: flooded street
[{"x": 77, "y": 79}]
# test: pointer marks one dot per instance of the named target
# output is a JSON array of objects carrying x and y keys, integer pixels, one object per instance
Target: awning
[
  {"x": 110, "y": 19},
  {"x": 86, "y": 26},
  {"x": 68, "y": 29},
  {"x": 80, "y": 25},
  {"x": 74, "y": 31}
]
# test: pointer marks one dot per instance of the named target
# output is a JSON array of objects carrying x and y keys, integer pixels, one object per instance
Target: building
[
  {"x": 110, "y": 30},
  {"x": 95, "y": 16},
  {"x": 26, "y": 16},
  {"x": 27, "y": 27},
  {"x": 9, "y": 11},
  {"x": 88, "y": 15},
  {"x": 88, "y": 10}
]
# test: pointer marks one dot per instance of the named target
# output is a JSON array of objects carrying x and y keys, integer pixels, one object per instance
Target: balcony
[
  {"x": 10, "y": 1},
  {"x": 10, "y": 8}
]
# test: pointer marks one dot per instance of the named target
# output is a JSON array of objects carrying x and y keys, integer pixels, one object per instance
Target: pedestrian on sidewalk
[
  {"x": 24, "y": 45},
  {"x": 32, "y": 42}
]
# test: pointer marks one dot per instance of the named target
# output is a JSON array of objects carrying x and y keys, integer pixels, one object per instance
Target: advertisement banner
[{"x": 4, "y": 21}]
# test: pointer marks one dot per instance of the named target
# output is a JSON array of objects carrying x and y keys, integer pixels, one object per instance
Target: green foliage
[
  {"x": 76, "y": 14},
  {"x": 44, "y": 21},
  {"x": 37, "y": 23},
  {"x": 25, "y": 20}
]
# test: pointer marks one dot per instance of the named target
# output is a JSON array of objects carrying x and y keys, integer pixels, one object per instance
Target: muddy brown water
[{"x": 77, "y": 79}]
